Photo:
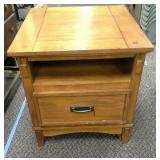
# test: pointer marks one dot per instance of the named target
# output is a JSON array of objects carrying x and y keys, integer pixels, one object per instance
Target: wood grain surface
[
  {"x": 81, "y": 76},
  {"x": 57, "y": 109},
  {"x": 77, "y": 30},
  {"x": 81, "y": 56}
]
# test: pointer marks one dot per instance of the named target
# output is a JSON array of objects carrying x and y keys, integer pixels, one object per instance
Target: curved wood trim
[{"x": 61, "y": 131}]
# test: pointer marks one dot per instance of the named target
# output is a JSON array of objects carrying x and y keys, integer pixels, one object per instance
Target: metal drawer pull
[{"x": 81, "y": 109}]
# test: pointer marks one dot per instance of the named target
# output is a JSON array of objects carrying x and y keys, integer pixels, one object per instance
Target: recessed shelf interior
[{"x": 82, "y": 72}]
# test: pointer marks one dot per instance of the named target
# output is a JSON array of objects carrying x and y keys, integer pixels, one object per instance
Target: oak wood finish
[
  {"x": 66, "y": 130},
  {"x": 27, "y": 80},
  {"x": 57, "y": 109},
  {"x": 79, "y": 30},
  {"x": 81, "y": 56},
  {"x": 82, "y": 76},
  {"x": 40, "y": 138},
  {"x": 125, "y": 135}
]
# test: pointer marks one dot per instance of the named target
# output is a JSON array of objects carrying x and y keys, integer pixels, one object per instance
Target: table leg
[
  {"x": 40, "y": 138},
  {"x": 125, "y": 135}
]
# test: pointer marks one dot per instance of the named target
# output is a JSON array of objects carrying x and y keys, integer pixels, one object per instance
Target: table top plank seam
[
  {"x": 118, "y": 33},
  {"x": 26, "y": 36},
  {"x": 132, "y": 38},
  {"x": 118, "y": 26},
  {"x": 39, "y": 30}
]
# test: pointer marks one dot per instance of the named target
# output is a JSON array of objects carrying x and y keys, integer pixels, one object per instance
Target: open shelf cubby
[{"x": 86, "y": 74}]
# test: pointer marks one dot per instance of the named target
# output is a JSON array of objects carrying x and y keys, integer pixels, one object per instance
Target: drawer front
[{"x": 79, "y": 109}]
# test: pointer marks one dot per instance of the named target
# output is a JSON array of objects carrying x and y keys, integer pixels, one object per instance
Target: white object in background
[
  {"x": 39, "y": 5},
  {"x": 148, "y": 21}
]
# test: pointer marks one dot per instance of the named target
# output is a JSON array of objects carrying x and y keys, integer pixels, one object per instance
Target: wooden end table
[{"x": 81, "y": 69}]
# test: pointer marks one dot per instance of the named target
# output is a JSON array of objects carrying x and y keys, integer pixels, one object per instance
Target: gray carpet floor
[{"x": 142, "y": 142}]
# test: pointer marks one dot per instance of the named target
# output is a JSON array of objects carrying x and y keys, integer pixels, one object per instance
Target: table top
[{"x": 79, "y": 30}]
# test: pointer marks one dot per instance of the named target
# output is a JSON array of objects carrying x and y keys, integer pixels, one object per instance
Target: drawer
[{"x": 91, "y": 109}]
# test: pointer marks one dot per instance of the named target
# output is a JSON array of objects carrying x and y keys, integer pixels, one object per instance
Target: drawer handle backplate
[{"x": 81, "y": 109}]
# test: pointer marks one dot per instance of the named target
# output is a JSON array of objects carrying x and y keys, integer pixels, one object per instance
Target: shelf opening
[{"x": 58, "y": 75}]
